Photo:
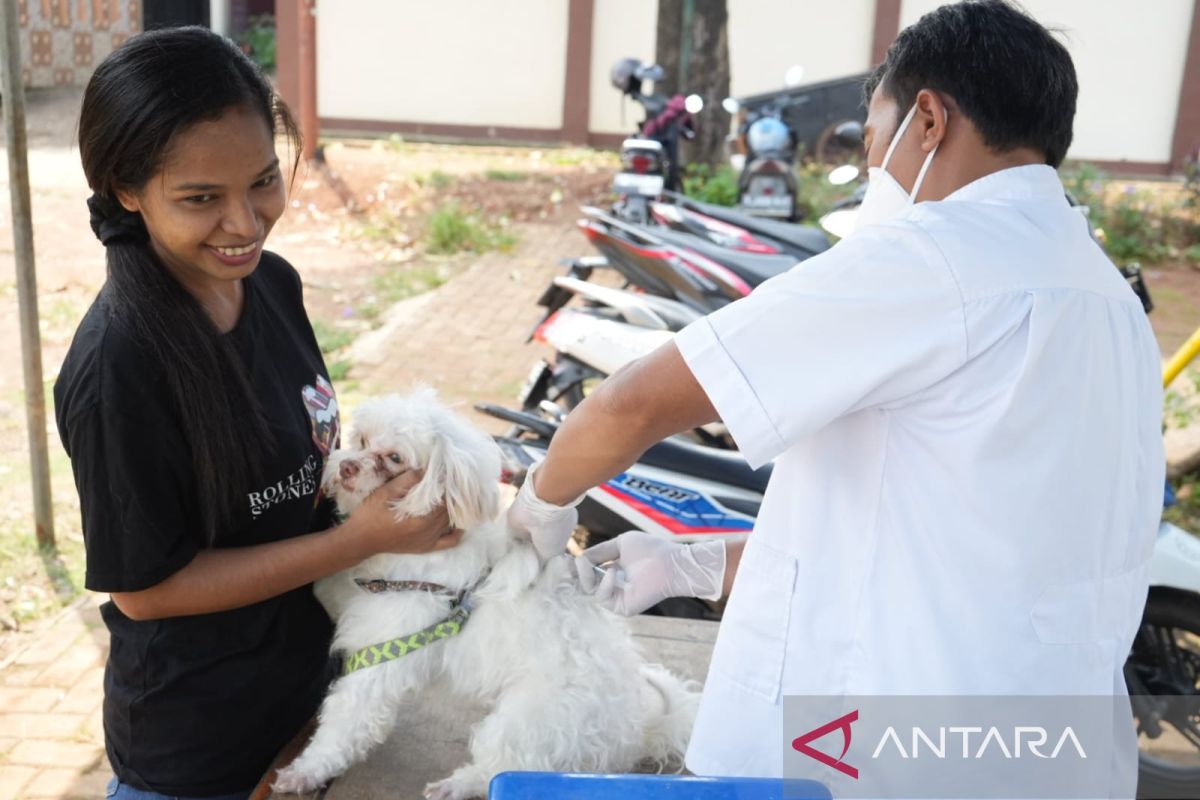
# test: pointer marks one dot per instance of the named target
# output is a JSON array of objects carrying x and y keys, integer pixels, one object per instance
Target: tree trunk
[
  {"x": 693, "y": 50},
  {"x": 666, "y": 45}
]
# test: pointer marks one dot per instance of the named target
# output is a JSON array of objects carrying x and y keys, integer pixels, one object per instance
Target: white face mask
[{"x": 885, "y": 198}]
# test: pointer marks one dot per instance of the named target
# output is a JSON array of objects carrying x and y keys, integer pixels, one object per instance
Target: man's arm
[{"x": 640, "y": 404}]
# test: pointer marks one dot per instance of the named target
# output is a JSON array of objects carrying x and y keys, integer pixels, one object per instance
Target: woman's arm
[{"x": 225, "y": 578}]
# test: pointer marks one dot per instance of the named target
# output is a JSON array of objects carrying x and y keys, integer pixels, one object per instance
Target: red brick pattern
[
  {"x": 51, "y": 736},
  {"x": 62, "y": 41}
]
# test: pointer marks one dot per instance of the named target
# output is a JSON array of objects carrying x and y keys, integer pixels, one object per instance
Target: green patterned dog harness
[
  {"x": 392, "y": 649},
  {"x": 376, "y": 654}
]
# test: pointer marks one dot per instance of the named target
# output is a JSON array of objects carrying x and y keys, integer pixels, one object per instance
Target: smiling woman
[{"x": 198, "y": 414}]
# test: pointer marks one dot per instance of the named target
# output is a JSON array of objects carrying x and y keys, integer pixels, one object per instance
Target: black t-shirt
[{"x": 199, "y": 705}]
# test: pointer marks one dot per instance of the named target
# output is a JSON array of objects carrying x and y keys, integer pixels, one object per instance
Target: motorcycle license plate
[
  {"x": 535, "y": 375},
  {"x": 779, "y": 202},
  {"x": 632, "y": 183}
]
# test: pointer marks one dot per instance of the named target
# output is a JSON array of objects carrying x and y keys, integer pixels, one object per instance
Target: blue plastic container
[{"x": 568, "y": 786}]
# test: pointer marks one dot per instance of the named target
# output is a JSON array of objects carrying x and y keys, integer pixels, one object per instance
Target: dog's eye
[
  {"x": 362, "y": 443},
  {"x": 394, "y": 458}
]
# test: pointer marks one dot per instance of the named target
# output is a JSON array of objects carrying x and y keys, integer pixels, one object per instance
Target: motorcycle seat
[
  {"x": 720, "y": 466},
  {"x": 753, "y": 269},
  {"x": 803, "y": 237}
]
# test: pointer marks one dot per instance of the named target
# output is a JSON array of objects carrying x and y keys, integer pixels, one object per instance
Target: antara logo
[
  {"x": 1024, "y": 738},
  {"x": 800, "y": 744}
]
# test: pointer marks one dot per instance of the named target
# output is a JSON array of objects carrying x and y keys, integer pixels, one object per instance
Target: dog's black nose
[{"x": 348, "y": 469}]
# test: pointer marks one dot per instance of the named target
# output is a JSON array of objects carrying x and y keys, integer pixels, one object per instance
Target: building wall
[
  {"x": 63, "y": 40},
  {"x": 479, "y": 65},
  {"x": 828, "y": 40},
  {"x": 620, "y": 28},
  {"x": 452, "y": 62},
  {"x": 1129, "y": 58}
]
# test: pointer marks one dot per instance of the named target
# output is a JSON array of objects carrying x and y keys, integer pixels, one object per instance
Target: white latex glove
[
  {"x": 547, "y": 525},
  {"x": 647, "y": 569}
]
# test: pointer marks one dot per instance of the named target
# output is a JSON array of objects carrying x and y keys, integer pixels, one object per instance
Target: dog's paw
[
  {"x": 297, "y": 780},
  {"x": 453, "y": 789}
]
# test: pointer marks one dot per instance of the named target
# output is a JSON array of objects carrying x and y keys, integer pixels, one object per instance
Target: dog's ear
[{"x": 466, "y": 463}]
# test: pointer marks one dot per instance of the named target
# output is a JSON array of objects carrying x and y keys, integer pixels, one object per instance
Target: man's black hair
[{"x": 1007, "y": 74}]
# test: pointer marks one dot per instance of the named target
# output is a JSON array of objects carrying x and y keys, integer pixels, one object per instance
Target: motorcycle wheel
[{"x": 1165, "y": 661}]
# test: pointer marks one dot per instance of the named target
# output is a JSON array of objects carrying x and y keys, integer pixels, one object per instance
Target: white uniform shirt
[{"x": 965, "y": 409}]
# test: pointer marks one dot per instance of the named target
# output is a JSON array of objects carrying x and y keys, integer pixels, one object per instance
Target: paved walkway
[
  {"x": 466, "y": 338},
  {"x": 51, "y": 739}
]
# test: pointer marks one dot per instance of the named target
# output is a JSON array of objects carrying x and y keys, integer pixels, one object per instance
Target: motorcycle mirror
[
  {"x": 844, "y": 174},
  {"x": 794, "y": 75},
  {"x": 730, "y": 105},
  {"x": 694, "y": 104},
  {"x": 849, "y": 134}
]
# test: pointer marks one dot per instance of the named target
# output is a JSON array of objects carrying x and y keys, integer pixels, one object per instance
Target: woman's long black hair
[{"x": 148, "y": 91}]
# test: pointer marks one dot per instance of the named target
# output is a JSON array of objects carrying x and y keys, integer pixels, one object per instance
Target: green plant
[
  {"x": 1186, "y": 511},
  {"x": 719, "y": 186},
  {"x": 339, "y": 369},
  {"x": 1085, "y": 183},
  {"x": 1181, "y": 408},
  {"x": 816, "y": 196},
  {"x": 1133, "y": 228},
  {"x": 439, "y": 179},
  {"x": 505, "y": 175},
  {"x": 452, "y": 230},
  {"x": 331, "y": 339},
  {"x": 259, "y": 40},
  {"x": 399, "y": 283}
]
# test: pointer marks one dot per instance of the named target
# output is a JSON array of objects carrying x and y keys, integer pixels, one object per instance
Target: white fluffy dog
[{"x": 564, "y": 686}]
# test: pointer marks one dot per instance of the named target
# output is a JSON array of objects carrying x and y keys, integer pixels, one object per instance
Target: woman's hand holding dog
[{"x": 373, "y": 527}]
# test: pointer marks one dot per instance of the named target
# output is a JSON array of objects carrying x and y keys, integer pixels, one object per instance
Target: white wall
[
  {"x": 464, "y": 62},
  {"x": 830, "y": 40},
  {"x": 1129, "y": 58},
  {"x": 620, "y": 29},
  {"x": 502, "y": 62}
]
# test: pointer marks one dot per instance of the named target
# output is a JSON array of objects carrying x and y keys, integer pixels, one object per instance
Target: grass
[
  {"x": 506, "y": 175},
  {"x": 331, "y": 339},
  {"x": 36, "y": 582},
  {"x": 1186, "y": 511},
  {"x": 454, "y": 230},
  {"x": 399, "y": 283},
  {"x": 436, "y": 180}
]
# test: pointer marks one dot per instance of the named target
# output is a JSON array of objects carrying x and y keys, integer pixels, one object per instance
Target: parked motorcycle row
[{"x": 664, "y": 260}]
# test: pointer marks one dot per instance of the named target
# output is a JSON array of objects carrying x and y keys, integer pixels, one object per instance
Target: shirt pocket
[
  {"x": 754, "y": 630},
  {"x": 1091, "y": 611}
]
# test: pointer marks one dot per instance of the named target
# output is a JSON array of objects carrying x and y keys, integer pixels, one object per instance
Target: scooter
[{"x": 667, "y": 119}]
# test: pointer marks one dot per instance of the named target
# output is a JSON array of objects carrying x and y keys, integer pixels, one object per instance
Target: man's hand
[
  {"x": 647, "y": 569},
  {"x": 547, "y": 525},
  {"x": 373, "y": 528}
]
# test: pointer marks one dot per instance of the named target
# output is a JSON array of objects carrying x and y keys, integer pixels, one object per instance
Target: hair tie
[{"x": 113, "y": 223}]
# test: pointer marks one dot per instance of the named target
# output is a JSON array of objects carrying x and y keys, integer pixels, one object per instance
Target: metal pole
[{"x": 13, "y": 101}]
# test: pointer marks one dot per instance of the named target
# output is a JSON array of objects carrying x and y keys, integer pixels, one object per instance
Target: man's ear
[
  {"x": 931, "y": 116},
  {"x": 128, "y": 200}
]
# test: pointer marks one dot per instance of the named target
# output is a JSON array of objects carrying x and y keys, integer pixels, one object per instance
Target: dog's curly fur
[{"x": 564, "y": 686}]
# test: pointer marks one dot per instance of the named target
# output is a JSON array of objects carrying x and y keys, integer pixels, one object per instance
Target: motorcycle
[{"x": 667, "y": 119}]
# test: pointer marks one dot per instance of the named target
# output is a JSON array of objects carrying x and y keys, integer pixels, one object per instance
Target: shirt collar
[{"x": 1029, "y": 182}]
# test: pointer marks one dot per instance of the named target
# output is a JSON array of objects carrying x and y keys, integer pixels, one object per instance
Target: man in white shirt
[{"x": 962, "y": 400}]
